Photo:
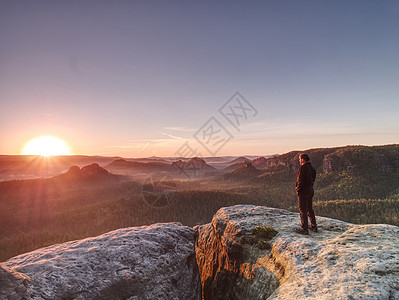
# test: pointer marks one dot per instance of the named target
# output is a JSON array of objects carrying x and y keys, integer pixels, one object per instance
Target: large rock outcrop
[
  {"x": 149, "y": 262},
  {"x": 341, "y": 261},
  {"x": 13, "y": 285}
]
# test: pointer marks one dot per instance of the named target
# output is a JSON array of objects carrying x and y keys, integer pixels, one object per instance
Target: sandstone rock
[
  {"x": 260, "y": 162},
  {"x": 341, "y": 261},
  {"x": 13, "y": 285},
  {"x": 149, "y": 262},
  {"x": 328, "y": 164}
]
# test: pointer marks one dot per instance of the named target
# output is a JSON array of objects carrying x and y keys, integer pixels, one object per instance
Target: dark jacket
[{"x": 305, "y": 179}]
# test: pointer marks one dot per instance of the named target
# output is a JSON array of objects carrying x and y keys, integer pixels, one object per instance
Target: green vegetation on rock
[{"x": 263, "y": 231}]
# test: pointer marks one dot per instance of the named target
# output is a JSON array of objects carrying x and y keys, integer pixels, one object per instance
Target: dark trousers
[{"x": 306, "y": 209}]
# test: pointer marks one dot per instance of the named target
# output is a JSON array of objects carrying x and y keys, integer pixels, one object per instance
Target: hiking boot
[
  {"x": 313, "y": 228},
  {"x": 301, "y": 231}
]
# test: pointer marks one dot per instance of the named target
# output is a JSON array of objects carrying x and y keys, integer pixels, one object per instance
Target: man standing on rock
[{"x": 304, "y": 189}]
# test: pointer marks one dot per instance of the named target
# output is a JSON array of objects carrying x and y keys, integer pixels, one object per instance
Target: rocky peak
[
  {"x": 194, "y": 163},
  {"x": 179, "y": 163},
  {"x": 88, "y": 173},
  {"x": 73, "y": 171},
  {"x": 197, "y": 163},
  {"x": 259, "y": 162},
  {"x": 246, "y": 171},
  {"x": 94, "y": 169},
  {"x": 240, "y": 159}
]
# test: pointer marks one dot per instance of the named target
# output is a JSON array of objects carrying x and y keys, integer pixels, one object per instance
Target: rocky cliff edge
[
  {"x": 149, "y": 262},
  {"x": 341, "y": 261},
  {"x": 171, "y": 261}
]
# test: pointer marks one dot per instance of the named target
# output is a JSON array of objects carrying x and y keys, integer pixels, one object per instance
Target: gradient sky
[{"x": 140, "y": 78}]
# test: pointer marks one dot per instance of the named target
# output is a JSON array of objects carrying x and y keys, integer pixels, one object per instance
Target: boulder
[
  {"x": 13, "y": 285},
  {"x": 341, "y": 261},
  {"x": 149, "y": 262}
]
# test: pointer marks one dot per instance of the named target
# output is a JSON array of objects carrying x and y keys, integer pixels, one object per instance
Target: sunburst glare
[{"x": 46, "y": 146}]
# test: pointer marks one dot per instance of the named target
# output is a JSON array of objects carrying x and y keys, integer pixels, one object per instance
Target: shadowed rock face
[
  {"x": 227, "y": 257},
  {"x": 342, "y": 261},
  {"x": 149, "y": 262}
]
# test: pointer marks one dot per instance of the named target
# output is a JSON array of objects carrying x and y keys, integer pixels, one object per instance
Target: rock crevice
[
  {"x": 224, "y": 259},
  {"x": 341, "y": 261}
]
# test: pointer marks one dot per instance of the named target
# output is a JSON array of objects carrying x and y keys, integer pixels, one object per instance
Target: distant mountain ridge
[
  {"x": 35, "y": 166},
  {"x": 246, "y": 171},
  {"x": 240, "y": 159},
  {"x": 358, "y": 184},
  {"x": 354, "y": 159},
  {"x": 126, "y": 165},
  {"x": 92, "y": 172},
  {"x": 194, "y": 163},
  {"x": 260, "y": 162},
  {"x": 347, "y": 158}
]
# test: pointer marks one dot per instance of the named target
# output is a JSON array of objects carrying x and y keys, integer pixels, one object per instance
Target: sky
[{"x": 190, "y": 78}]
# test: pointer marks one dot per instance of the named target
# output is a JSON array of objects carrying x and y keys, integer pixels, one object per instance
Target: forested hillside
[
  {"x": 356, "y": 184},
  {"x": 343, "y": 173}
]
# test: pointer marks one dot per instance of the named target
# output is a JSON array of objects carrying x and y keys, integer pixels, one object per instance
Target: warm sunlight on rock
[{"x": 46, "y": 146}]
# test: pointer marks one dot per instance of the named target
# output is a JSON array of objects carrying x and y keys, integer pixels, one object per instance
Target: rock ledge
[
  {"x": 149, "y": 262},
  {"x": 342, "y": 261}
]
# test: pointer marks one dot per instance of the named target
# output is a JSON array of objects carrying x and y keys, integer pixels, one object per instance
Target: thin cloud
[
  {"x": 145, "y": 146},
  {"x": 181, "y": 129},
  {"x": 173, "y": 136}
]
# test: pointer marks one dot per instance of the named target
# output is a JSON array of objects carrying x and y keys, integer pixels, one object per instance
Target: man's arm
[{"x": 300, "y": 180}]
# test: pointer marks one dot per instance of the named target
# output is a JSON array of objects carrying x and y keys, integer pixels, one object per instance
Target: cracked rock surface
[
  {"x": 149, "y": 262},
  {"x": 13, "y": 285},
  {"x": 341, "y": 261},
  {"x": 171, "y": 261}
]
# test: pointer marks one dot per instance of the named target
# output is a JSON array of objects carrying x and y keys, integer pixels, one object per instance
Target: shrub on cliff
[{"x": 263, "y": 231}]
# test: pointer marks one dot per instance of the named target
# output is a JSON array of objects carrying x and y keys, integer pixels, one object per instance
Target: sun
[{"x": 46, "y": 146}]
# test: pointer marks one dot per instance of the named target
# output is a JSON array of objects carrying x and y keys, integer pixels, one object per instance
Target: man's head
[{"x": 303, "y": 158}]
